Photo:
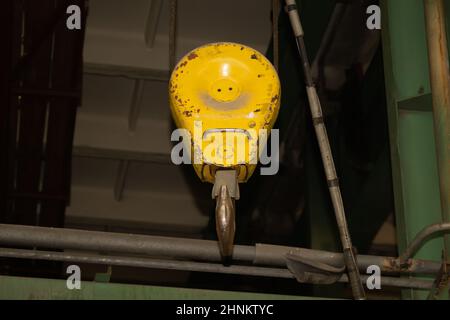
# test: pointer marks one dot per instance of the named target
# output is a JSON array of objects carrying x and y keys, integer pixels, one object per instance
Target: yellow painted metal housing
[{"x": 224, "y": 94}]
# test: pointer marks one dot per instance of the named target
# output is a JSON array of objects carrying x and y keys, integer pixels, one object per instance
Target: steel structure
[
  {"x": 416, "y": 112},
  {"x": 414, "y": 89},
  {"x": 266, "y": 260}
]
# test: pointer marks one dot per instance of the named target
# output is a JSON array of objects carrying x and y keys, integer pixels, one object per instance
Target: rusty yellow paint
[{"x": 224, "y": 94}]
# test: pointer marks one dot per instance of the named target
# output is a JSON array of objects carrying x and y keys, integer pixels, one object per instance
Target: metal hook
[
  {"x": 225, "y": 222},
  {"x": 226, "y": 191}
]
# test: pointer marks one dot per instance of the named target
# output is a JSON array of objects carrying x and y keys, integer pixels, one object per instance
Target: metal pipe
[
  {"x": 146, "y": 263},
  {"x": 193, "y": 249},
  {"x": 191, "y": 266},
  {"x": 423, "y": 236},
  {"x": 58, "y": 238},
  {"x": 440, "y": 90},
  {"x": 327, "y": 156},
  {"x": 409, "y": 283}
]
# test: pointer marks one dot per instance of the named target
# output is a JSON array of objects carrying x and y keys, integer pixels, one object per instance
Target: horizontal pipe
[
  {"x": 406, "y": 283},
  {"x": 192, "y": 266},
  {"x": 191, "y": 249},
  {"x": 146, "y": 263},
  {"x": 61, "y": 238}
]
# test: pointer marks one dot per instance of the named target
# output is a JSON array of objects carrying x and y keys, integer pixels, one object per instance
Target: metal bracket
[
  {"x": 309, "y": 271},
  {"x": 441, "y": 282},
  {"x": 226, "y": 178},
  {"x": 104, "y": 277}
]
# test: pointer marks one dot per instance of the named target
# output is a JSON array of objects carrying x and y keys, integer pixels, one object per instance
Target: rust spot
[
  {"x": 198, "y": 110},
  {"x": 421, "y": 90},
  {"x": 193, "y": 55},
  {"x": 260, "y": 75},
  {"x": 257, "y": 110},
  {"x": 242, "y": 48},
  {"x": 274, "y": 98},
  {"x": 254, "y": 56},
  {"x": 187, "y": 113},
  {"x": 390, "y": 265}
]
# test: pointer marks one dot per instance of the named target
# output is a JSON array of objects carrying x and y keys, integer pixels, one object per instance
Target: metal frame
[
  {"x": 202, "y": 255},
  {"x": 413, "y": 143}
]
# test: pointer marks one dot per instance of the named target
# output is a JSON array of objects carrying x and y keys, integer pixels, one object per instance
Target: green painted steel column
[{"x": 414, "y": 163}]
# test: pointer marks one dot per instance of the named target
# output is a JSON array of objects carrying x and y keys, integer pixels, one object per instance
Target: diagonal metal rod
[
  {"x": 327, "y": 156},
  {"x": 438, "y": 57}
]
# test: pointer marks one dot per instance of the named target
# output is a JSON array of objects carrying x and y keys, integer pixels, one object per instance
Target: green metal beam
[
  {"x": 19, "y": 288},
  {"x": 413, "y": 155}
]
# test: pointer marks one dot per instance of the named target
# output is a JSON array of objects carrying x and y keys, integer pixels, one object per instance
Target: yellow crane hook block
[{"x": 227, "y": 96}]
